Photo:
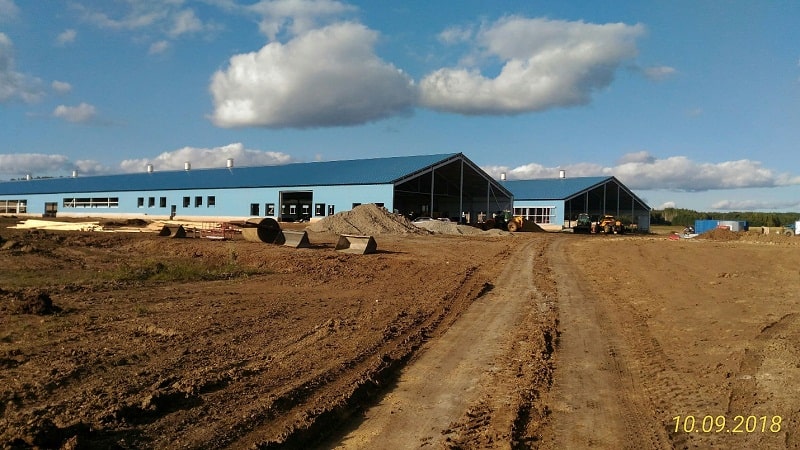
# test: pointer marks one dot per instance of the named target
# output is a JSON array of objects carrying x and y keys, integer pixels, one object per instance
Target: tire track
[{"x": 597, "y": 397}]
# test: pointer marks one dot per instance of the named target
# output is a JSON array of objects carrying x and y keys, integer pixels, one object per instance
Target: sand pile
[
  {"x": 437, "y": 226},
  {"x": 365, "y": 220}
]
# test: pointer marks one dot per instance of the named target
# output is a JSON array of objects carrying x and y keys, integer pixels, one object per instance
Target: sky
[{"x": 691, "y": 104}]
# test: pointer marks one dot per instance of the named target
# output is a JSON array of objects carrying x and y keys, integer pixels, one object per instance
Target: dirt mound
[
  {"x": 439, "y": 227},
  {"x": 366, "y": 220},
  {"x": 31, "y": 301},
  {"x": 720, "y": 234}
]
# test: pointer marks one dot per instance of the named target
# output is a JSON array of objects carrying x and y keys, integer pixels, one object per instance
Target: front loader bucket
[
  {"x": 173, "y": 231},
  {"x": 359, "y": 245},
  {"x": 261, "y": 230},
  {"x": 295, "y": 239}
]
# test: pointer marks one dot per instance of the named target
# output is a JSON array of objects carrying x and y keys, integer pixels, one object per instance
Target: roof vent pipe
[
  {"x": 562, "y": 174},
  {"x": 503, "y": 176},
  {"x": 229, "y": 163},
  {"x": 28, "y": 177},
  {"x": 149, "y": 168},
  {"x": 187, "y": 166},
  {"x": 74, "y": 174}
]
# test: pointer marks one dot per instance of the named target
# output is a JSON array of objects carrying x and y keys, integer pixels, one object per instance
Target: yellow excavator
[{"x": 609, "y": 224}]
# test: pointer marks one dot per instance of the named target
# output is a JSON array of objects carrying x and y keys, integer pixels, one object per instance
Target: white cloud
[
  {"x": 20, "y": 164},
  {"x": 326, "y": 77},
  {"x": 8, "y": 10},
  {"x": 456, "y": 34},
  {"x": 546, "y": 64},
  {"x": 207, "y": 158},
  {"x": 666, "y": 205},
  {"x": 66, "y": 37},
  {"x": 157, "y": 48},
  {"x": 754, "y": 205},
  {"x": 82, "y": 113},
  {"x": 62, "y": 87},
  {"x": 659, "y": 73},
  {"x": 15, "y": 85},
  {"x": 185, "y": 22},
  {"x": 298, "y": 16},
  {"x": 640, "y": 170}
]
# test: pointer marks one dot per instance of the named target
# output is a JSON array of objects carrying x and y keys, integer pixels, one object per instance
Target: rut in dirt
[{"x": 450, "y": 373}]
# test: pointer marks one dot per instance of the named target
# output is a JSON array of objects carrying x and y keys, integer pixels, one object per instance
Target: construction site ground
[{"x": 484, "y": 340}]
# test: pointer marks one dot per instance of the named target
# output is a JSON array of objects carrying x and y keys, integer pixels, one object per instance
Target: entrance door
[{"x": 50, "y": 209}]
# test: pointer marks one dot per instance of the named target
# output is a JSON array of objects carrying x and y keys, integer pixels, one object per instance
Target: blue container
[{"x": 701, "y": 226}]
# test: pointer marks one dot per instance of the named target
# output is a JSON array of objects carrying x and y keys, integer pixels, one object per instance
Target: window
[
  {"x": 198, "y": 201},
  {"x": 140, "y": 202},
  {"x": 269, "y": 209},
  {"x": 253, "y": 209},
  {"x": 151, "y": 202},
  {"x": 356, "y": 204},
  {"x": 212, "y": 201},
  {"x": 13, "y": 206},
  {"x": 186, "y": 202},
  {"x": 331, "y": 210},
  {"x": 98, "y": 202},
  {"x": 162, "y": 202},
  {"x": 537, "y": 215},
  {"x": 319, "y": 209}
]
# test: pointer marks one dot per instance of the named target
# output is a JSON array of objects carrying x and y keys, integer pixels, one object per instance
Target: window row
[
  {"x": 13, "y": 206},
  {"x": 91, "y": 202},
  {"x": 537, "y": 215}
]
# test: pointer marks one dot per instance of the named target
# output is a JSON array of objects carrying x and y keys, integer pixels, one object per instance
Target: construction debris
[{"x": 358, "y": 245}]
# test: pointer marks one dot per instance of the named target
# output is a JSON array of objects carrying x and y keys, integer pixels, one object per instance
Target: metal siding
[
  {"x": 328, "y": 173},
  {"x": 551, "y": 188}
]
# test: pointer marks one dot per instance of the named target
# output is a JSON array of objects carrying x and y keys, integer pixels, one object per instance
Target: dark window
[
  {"x": 162, "y": 202},
  {"x": 198, "y": 201},
  {"x": 151, "y": 202},
  {"x": 269, "y": 209},
  {"x": 140, "y": 202},
  {"x": 331, "y": 210},
  {"x": 212, "y": 201},
  {"x": 319, "y": 209},
  {"x": 356, "y": 204},
  {"x": 186, "y": 202},
  {"x": 253, "y": 209}
]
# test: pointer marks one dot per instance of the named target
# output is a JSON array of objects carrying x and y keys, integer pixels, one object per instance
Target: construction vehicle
[
  {"x": 583, "y": 225},
  {"x": 609, "y": 224}
]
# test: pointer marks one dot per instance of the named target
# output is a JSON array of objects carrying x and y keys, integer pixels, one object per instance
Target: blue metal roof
[
  {"x": 327, "y": 173},
  {"x": 551, "y": 188}
]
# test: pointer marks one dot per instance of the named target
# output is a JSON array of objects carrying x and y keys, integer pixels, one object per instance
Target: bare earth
[{"x": 487, "y": 340}]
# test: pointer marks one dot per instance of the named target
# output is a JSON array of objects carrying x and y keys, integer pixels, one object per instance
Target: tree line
[{"x": 686, "y": 217}]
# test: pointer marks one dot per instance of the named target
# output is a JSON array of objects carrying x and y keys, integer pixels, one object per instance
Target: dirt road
[{"x": 455, "y": 369}]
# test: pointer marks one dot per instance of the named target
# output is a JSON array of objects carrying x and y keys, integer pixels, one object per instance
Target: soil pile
[
  {"x": 365, "y": 220},
  {"x": 720, "y": 234},
  {"x": 31, "y": 301}
]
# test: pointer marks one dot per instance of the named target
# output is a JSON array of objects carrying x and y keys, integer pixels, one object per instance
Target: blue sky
[{"x": 691, "y": 104}]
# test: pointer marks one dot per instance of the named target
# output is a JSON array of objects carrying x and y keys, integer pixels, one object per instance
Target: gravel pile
[
  {"x": 367, "y": 219},
  {"x": 437, "y": 226}
]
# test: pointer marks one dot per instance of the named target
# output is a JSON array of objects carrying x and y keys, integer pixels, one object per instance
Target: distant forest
[{"x": 686, "y": 217}]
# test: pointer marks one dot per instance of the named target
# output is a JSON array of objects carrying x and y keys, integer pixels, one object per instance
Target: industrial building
[
  {"x": 442, "y": 185},
  {"x": 555, "y": 203}
]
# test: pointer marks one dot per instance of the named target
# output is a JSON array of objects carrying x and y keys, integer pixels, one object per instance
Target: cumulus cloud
[
  {"x": 666, "y": 205},
  {"x": 66, "y": 37},
  {"x": 62, "y": 87},
  {"x": 298, "y": 16},
  {"x": 82, "y": 113},
  {"x": 545, "y": 64},
  {"x": 15, "y": 85},
  {"x": 207, "y": 158},
  {"x": 325, "y": 77},
  {"x": 19, "y": 164},
  {"x": 640, "y": 170}
]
